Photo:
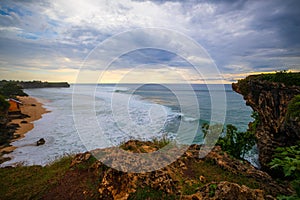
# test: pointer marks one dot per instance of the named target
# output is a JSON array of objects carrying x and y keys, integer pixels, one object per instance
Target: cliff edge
[{"x": 269, "y": 95}]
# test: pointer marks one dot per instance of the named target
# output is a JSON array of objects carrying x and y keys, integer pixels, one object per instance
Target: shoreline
[{"x": 34, "y": 109}]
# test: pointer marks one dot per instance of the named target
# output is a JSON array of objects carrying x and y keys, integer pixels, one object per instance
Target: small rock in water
[{"x": 40, "y": 142}]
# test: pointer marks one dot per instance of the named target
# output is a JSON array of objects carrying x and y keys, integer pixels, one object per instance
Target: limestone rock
[
  {"x": 173, "y": 179},
  {"x": 79, "y": 158},
  {"x": 270, "y": 100},
  {"x": 231, "y": 191}
]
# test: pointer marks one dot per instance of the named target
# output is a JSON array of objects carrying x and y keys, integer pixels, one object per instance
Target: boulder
[{"x": 40, "y": 142}]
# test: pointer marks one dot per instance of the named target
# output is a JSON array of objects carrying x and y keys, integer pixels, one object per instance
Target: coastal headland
[{"x": 219, "y": 175}]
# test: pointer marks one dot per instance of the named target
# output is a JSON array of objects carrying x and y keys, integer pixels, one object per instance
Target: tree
[
  {"x": 4, "y": 105},
  {"x": 12, "y": 89},
  {"x": 235, "y": 143}
]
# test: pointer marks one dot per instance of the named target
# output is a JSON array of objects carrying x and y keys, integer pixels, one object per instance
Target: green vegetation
[
  {"x": 287, "y": 78},
  {"x": 36, "y": 182},
  {"x": 150, "y": 193},
  {"x": 8, "y": 89},
  {"x": 211, "y": 133},
  {"x": 161, "y": 142},
  {"x": 237, "y": 143},
  {"x": 11, "y": 89},
  {"x": 5, "y": 135},
  {"x": 81, "y": 181},
  {"x": 253, "y": 125},
  {"x": 35, "y": 84},
  {"x": 31, "y": 182},
  {"x": 212, "y": 190},
  {"x": 293, "y": 109},
  {"x": 4, "y": 105},
  {"x": 287, "y": 159},
  {"x": 135, "y": 146},
  {"x": 215, "y": 173},
  {"x": 234, "y": 142}
]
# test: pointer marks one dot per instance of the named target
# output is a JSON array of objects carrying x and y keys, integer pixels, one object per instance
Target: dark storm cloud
[{"x": 240, "y": 36}]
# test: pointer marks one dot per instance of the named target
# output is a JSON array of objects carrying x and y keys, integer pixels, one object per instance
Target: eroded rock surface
[
  {"x": 270, "y": 100},
  {"x": 189, "y": 177}
]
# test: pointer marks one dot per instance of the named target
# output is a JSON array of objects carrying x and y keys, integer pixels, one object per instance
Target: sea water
[{"x": 122, "y": 112}]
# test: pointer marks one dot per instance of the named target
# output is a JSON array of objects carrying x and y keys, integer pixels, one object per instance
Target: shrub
[
  {"x": 288, "y": 78},
  {"x": 11, "y": 89},
  {"x": 293, "y": 109},
  {"x": 287, "y": 159},
  {"x": 4, "y": 105},
  {"x": 235, "y": 143}
]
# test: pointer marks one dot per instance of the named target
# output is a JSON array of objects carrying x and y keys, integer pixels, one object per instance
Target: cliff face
[
  {"x": 270, "y": 100},
  {"x": 189, "y": 177}
]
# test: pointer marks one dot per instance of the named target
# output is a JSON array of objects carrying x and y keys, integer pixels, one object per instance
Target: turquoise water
[{"x": 123, "y": 112}]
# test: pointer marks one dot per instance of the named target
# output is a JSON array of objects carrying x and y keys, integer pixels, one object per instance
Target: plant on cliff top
[
  {"x": 288, "y": 78},
  {"x": 11, "y": 90}
]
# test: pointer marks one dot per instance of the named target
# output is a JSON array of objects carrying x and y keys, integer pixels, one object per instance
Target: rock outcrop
[
  {"x": 217, "y": 176},
  {"x": 270, "y": 100},
  {"x": 227, "y": 190},
  {"x": 40, "y": 142}
]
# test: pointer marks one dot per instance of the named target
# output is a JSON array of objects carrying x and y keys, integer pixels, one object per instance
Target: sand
[{"x": 32, "y": 107}]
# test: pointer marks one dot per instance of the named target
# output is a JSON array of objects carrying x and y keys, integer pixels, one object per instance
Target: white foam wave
[{"x": 120, "y": 117}]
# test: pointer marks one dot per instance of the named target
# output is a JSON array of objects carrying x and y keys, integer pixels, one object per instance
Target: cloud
[{"x": 240, "y": 36}]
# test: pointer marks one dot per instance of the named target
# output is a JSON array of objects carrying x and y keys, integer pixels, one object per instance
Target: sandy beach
[{"x": 31, "y": 107}]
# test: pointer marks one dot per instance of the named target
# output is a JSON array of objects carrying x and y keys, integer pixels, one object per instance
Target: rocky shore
[{"x": 217, "y": 176}]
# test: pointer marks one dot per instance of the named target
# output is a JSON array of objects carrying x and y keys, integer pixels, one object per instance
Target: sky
[{"x": 60, "y": 40}]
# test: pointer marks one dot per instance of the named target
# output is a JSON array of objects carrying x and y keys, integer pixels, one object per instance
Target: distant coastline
[
  {"x": 35, "y": 84},
  {"x": 40, "y": 84}
]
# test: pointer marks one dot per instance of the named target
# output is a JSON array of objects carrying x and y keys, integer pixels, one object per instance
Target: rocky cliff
[
  {"x": 270, "y": 99},
  {"x": 217, "y": 176}
]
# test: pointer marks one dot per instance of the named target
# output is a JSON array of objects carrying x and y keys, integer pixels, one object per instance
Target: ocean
[{"x": 104, "y": 115}]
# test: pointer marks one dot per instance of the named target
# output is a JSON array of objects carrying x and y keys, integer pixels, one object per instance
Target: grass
[
  {"x": 287, "y": 78},
  {"x": 136, "y": 146},
  {"x": 188, "y": 189},
  {"x": 161, "y": 142},
  {"x": 59, "y": 180},
  {"x": 30, "y": 182},
  {"x": 214, "y": 173},
  {"x": 149, "y": 193}
]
